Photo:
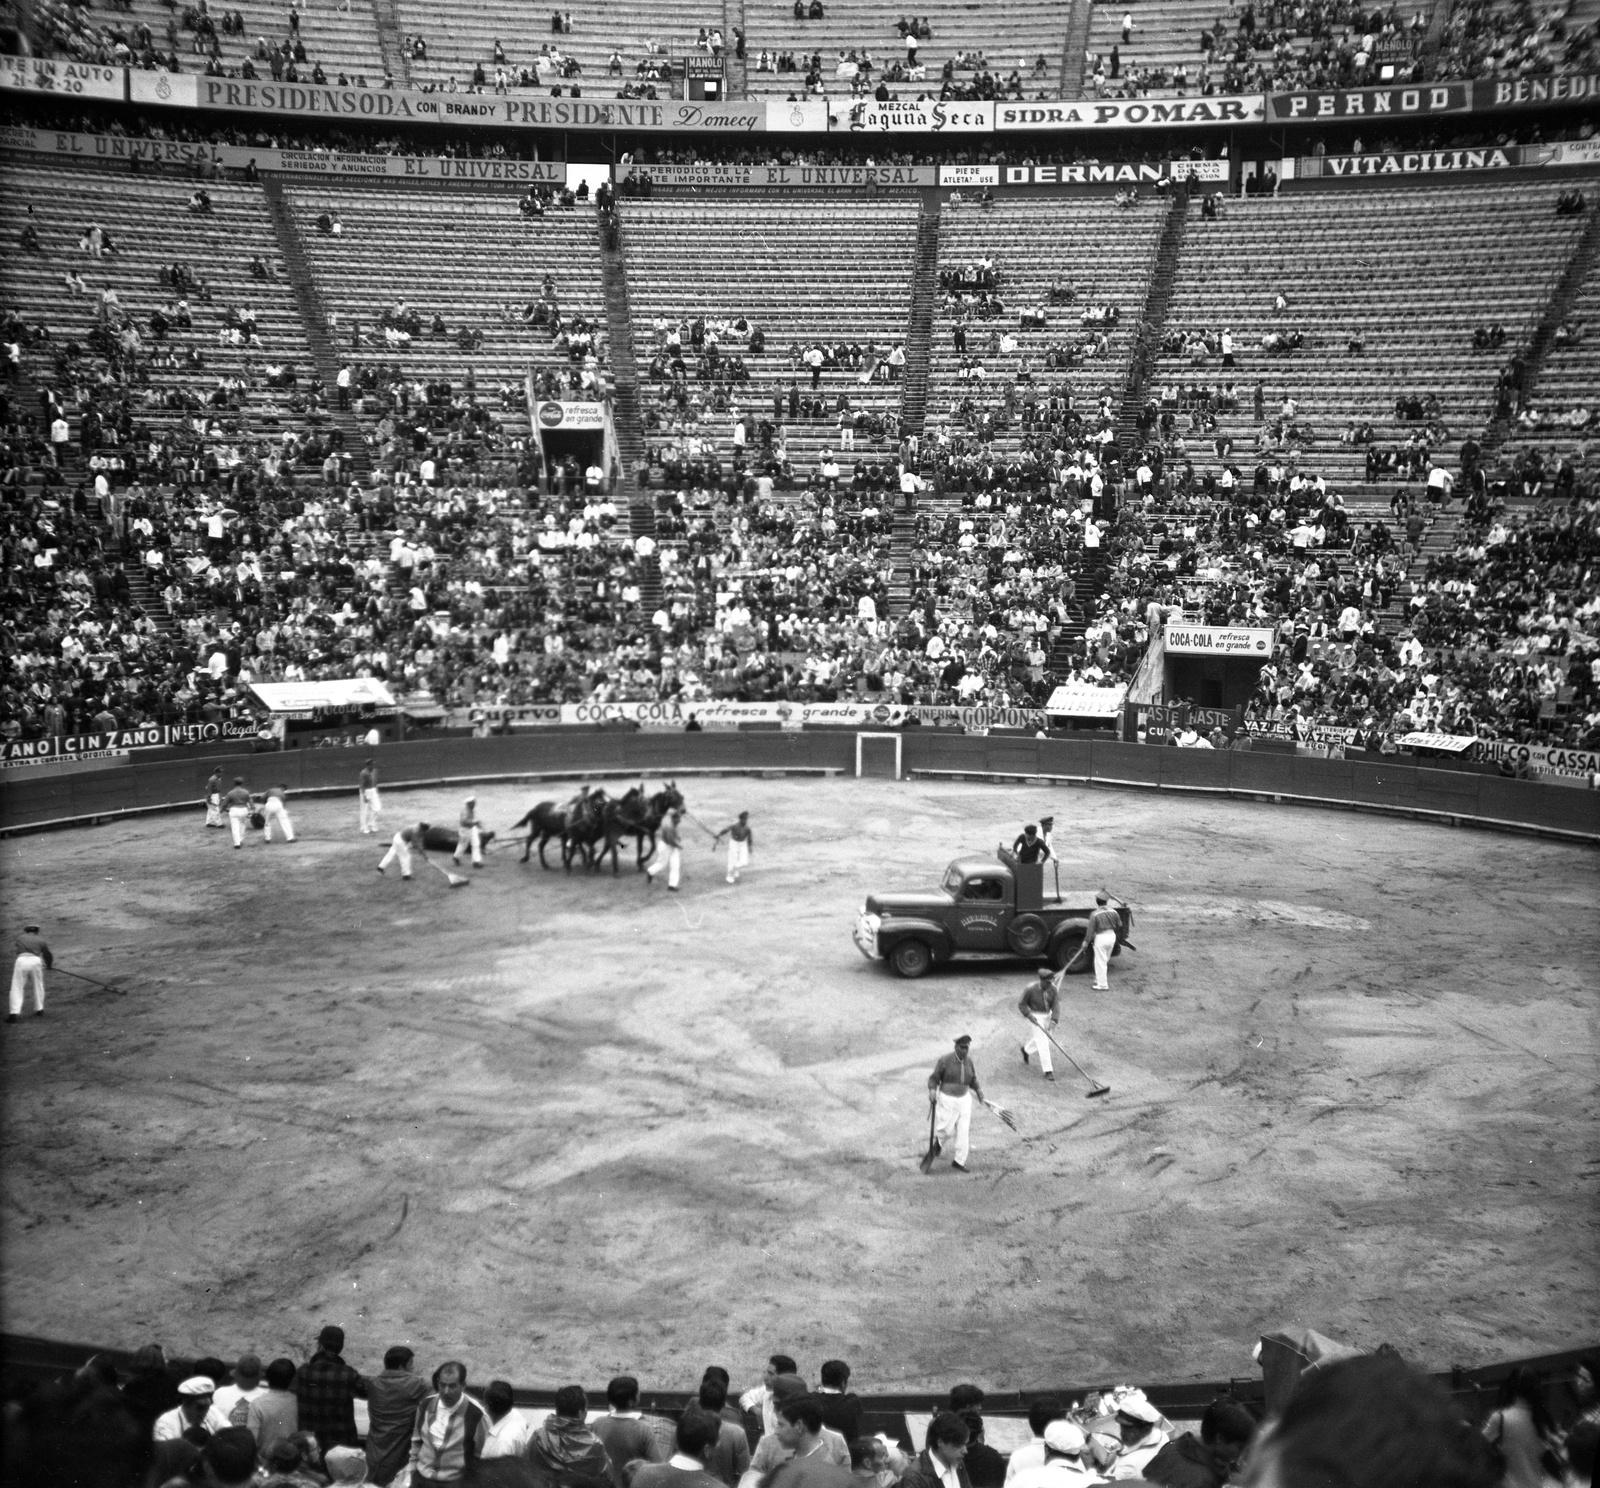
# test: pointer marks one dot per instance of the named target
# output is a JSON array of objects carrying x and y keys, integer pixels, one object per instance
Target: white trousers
[
  {"x": 238, "y": 820},
  {"x": 274, "y": 812},
  {"x": 29, "y": 968},
  {"x": 214, "y": 810},
  {"x": 738, "y": 858},
  {"x": 1104, "y": 943},
  {"x": 469, "y": 837},
  {"x": 952, "y": 1123},
  {"x": 399, "y": 852},
  {"x": 1037, "y": 1043},
  {"x": 371, "y": 806},
  {"x": 670, "y": 858}
]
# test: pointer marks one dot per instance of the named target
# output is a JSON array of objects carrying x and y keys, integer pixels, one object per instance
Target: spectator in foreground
[
  {"x": 1064, "y": 1448},
  {"x": 800, "y": 1435},
  {"x": 327, "y": 1389},
  {"x": 392, "y": 1401},
  {"x": 1226, "y": 1430},
  {"x": 689, "y": 1466},
  {"x": 229, "y": 1459},
  {"x": 1521, "y": 1431},
  {"x": 985, "y": 1466},
  {"x": 509, "y": 1429},
  {"x": 760, "y": 1400},
  {"x": 841, "y": 1409},
  {"x": 729, "y": 1459},
  {"x": 564, "y": 1450},
  {"x": 623, "y": 1431},
  {"x": 945, "y": 1453},
  {"x": 1372, "y": 1422},
  {"x": 194, "y": 1408},
  {"x": 1041, "y": 1413},
  {"x": 449, "y": 1433},
  {"x": 274, "y": 1415}
]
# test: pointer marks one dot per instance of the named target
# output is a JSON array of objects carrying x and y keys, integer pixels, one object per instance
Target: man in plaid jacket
[{"x": 327, "y": 1388}]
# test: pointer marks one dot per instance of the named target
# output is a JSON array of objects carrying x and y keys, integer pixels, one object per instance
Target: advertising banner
[
  {"x": 513, "y": 111},
  {"x": 1083, "y": 175},
  {"x": 808, "y": 177},
  {"x": 924, "y": 116},
  {"x": 328, "y": 692},
  {"x": 1444, "y": 743},
  {"x": 1363, "y": 103},
  {"x": 1131, "y": 113},
  {"x": 1081, "y": 700},
  {"x": 984, "y": 719},
  {"x": 1210, "y": 640},
  {"x": 1566, "y": 152},
  {"x": 577, "y": 416},
  {"x": 797, "y": 116},
  {"x": 62, "y": 78},
  {"x": 1535, "y": 92},
  {"x": 1411, "y": 163},
  {"x": 1542, "y": 760},
  {"x": 716, "y": 713},
  {"x": 969, "y": 175},
  {"x": 164, "y": 89},
  {"x": 120, "y": 741},
  {"x": 1155, "y": 723},
  {"x": 1198, "y": 170},
  {"x": 108, "y": 146}
]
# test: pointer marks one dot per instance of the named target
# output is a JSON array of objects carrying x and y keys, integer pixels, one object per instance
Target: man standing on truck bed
[
  {"x": 951, "y": 1086},
  {"x": 1030, "y": 847}
]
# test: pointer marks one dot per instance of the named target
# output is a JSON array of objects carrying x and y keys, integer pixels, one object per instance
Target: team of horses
[{"x": 594, "y": 825}]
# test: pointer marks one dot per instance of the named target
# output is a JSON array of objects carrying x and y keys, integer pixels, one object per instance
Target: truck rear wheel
[
  {"x": 911, "y": 958},
  {"x": 1029, "y": 935}
]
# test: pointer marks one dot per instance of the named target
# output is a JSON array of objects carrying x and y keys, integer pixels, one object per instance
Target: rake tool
[
  {"x": 1095, "y": 1087},
  {"x": 455, "y": 880},
  {"x": 78, "y": 975}
]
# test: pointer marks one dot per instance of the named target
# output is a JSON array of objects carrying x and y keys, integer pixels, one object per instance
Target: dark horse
[
  {"x": 593, "y": 831},
  {"x": 559, "y": 820},
  {"x": 640, "y": 817}
]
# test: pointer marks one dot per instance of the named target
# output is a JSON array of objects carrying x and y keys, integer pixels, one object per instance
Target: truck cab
[{"x": 985, "y": 909}]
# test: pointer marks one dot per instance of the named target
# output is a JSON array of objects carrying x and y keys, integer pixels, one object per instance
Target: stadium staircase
[
  {"x": 733, "y": 21},
  {"x": 1074, "y": 53},
  {"x": 314, "y": 319},
  {"x": 914, "y": 399},
  {"x": 1158, "y": 295},
  {"x": 1557, "y": 309},
  {"x": 143, "y": 594},
  {"x": 627, "y": 419},
  {"x": 1437, "y": 540},
  {"x": 386, "y": 14}
]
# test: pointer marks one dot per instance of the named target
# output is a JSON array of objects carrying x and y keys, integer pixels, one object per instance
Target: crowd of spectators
[
  {"x": 203, "y": 1423},
  {"x": 1516, "y": 38}
]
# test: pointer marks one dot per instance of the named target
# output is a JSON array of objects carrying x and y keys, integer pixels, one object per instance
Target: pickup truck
[{"x": 984, "y": 910}]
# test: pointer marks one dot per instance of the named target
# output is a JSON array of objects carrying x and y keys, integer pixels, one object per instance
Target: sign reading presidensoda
[{"x": 1211, "y": 640}]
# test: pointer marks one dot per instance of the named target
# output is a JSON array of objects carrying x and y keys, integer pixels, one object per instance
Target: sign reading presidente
[
  {"x": 1124, "y": 113},
  {"x": 1212, "y": 640}
]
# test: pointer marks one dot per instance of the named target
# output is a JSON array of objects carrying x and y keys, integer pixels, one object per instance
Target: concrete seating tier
[
  {"x": 1011, "y": 34},
  {"x": 466, "y": 255},
  {"x": 1103, "y": 251},
  {"x": 803, "y": 271},
  {"x": 342, "y": 36},
  {"x": 150, "y": 226},
  {"x": 458, "y": 36},
  {"x": 1414, "y": 271}
]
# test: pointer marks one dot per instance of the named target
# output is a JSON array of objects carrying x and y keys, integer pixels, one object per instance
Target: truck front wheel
[{"x": 911, "y": 958}]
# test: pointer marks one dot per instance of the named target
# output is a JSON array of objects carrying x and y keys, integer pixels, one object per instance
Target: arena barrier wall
[{"x": 1454, "y": 797}]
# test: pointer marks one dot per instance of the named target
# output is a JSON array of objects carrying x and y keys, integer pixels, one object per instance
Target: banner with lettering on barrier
[
  {"x": 1141, "y": 173},
  {"x": 1535, "y": 92},
  {"x": 969, "y": 175},
  {"x": 1156, "y": 723},
  {"x": 1553, "y": 759},
  {"x": 1085, "y": 700},
  {"x": 1213, "y": 640},
  {"x": 778, "y": 177},
  {"x": 719, "y": 713},
  {"x": 919, "y": 116},
  {"x": 1367, "y": 103},
  {"x": 1131, "y": 113},
  {"x": 119, "y": 741},
  {"x": 62, "y": 78},
  {"x": 978, "y": 718},
  {"x": 1199, "y": 170}
]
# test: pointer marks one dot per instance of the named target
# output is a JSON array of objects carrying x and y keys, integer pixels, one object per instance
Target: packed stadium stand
[
  {"x": 1513, "y": 38},
  {"x": 974, "y": 49},
  {"x": 1406, "y": 276},
  {"x": 1190, "y": 46}
]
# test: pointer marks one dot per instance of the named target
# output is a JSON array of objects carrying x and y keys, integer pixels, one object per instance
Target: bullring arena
[{"x": 592, "y": 1128}]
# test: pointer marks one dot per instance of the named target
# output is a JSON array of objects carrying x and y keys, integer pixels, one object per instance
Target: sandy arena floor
[{"x": 562, "y": 1127}]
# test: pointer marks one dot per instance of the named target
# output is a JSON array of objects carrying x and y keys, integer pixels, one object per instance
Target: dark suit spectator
[
  {"x": 392, "y": 1401},
  {"x": 985, "y": 1466},
  {"x": 729, "y": 1458},
  {"x": 151, "y": 1389},
  {"x": 946, "y": 1449},
  {"x": 841, "y": 1410},
  {"x": 327, "y": 1389}
]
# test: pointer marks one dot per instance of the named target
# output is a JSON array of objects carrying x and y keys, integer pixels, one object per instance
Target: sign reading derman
[{"x": 1213, "y": 640}]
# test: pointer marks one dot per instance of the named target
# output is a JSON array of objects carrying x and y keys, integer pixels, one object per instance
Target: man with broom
[{"x": 951, "y": 1087}]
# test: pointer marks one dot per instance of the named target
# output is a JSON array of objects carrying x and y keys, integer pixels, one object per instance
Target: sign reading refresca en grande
[{"x": 1213, "y": 640}]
